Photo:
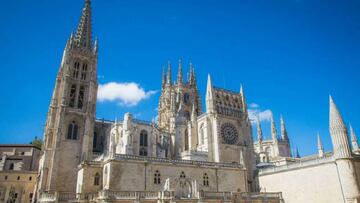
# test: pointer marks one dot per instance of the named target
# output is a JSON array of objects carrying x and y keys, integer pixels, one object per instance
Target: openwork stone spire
[
  {"x": 83, "y": 36},
  {"x": 192, "y": 79},
  {"x": 339, "y": 134},
  {"x": 168, "y": 79}
]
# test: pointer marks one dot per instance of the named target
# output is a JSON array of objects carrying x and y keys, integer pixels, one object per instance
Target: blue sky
[{"x": 288, "y": 54}]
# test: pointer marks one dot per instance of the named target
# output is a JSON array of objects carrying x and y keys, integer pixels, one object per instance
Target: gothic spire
[
  {"x": 354, "y": 142},
  {"x": 284, "y": 134},
  {"x": 320, "y": 146},
  {"x": 259, "y": 130},
  {"x": 83, "y": 37},
  {"x": 180, "y": 74},
  {"x": 163, "y": 77},
  {"x": 168, "y": 79},
  {"x": 244, "y": 106},
  {"x": 192, "y": 79},
  {"x": 338, "y": 131},
  {"x": 273, "y": 129},
  {"x": 193, "y": 113},
  {"x": 297, "y": 153},
  {"x": 209, "y": 96}
]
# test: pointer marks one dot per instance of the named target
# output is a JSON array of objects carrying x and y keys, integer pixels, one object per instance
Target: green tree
[{"x": 37, "y": 142}]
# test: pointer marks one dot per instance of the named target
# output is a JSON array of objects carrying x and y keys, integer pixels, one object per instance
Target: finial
[
  {"x": 273, "y": 129},
  {"x": 354, "y": 142},
  {"x": 168, "y": 81},
  {"x": 284, "y": 135},
  {"x": 259, "y": 130},
  {"x": 320, "y": 146},
  {"x": 180, "y": 73}
]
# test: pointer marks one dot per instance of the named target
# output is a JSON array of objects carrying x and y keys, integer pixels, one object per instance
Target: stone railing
[
  {"x": 188, "y": 162},
  {"x": 108, "y": 195},
  {"x": 47, "y": 197},
  {"x": 299, "y": 164},
  {"x": 215, "y": 195},
  {"x": 132, "y": 195},
  {"x": 67, "y": 197}
]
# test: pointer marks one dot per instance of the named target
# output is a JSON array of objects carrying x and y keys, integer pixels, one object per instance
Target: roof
[{"x": 19, "y": 145}]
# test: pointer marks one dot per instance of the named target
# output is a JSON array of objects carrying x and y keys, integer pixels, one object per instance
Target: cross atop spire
[{"x": 83, "y": 38}]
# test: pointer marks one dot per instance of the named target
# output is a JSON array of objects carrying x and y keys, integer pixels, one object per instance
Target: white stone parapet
[{"x": 175, "y": 161}]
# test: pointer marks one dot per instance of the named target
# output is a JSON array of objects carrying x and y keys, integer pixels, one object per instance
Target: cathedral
[{"x": 187, "y": 155}]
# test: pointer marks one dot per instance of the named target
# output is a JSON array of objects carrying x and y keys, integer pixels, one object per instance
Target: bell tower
[{"x": 69, "y": 127}]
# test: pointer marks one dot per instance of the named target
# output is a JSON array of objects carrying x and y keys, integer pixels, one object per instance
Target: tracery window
[
  {"x": 206, "y": 180},
  {"x": 84, "y": 71},
  {"x": 72, "y": 95},
  {"x": 143, "y": 143},
  {"x": 157, "y": 179},
  {"x": 182, "y": 174},
  {"x": 76, "y": 70},
  {"x": 97, "y": 179},
  {"x": 72, "y": 131},
  {"x": 81, "y": 97}
]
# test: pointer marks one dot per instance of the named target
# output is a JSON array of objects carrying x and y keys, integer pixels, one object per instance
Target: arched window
[
  {"x": 84, "y": 71},
  {"x": 72, "y": 95},
  {"x": 186, "y": 98},
  {"x": 206, "y": 180},
  {"x": 11, "y": 167},
  {"x": 157, "y": 179},
  {"x": 76, "y": 70},
  {"x": 97, "y": 179},
  {"x": 81, "y": 97},
  {"x": 182, "y": 174},
  {"x": 143, "y": 143},
  {"x": 72, "y": 131},
  {"x": 143, "y": 138}
]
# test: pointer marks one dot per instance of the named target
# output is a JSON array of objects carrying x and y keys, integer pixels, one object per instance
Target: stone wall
[
  {"x": 313, "y": 183},
  {"x": 19, "y": 184}
]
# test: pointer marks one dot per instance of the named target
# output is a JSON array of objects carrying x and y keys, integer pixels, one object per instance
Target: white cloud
[
  {"x": 126, "y": 94},
  {"x": 255, "y": 112},
  {"x": 254, "y": 105}
]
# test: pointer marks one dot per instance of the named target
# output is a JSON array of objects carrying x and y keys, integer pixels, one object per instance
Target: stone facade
[
  {"x": 187, "y": 156},
  {"x": 18, "y": 172}
]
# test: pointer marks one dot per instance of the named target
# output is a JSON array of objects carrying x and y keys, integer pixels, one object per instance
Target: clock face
[{"x": 229, "y": 133}]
